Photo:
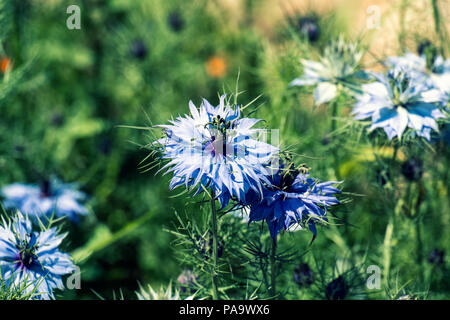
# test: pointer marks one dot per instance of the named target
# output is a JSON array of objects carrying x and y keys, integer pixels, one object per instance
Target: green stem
[
  {"x": 387, "y": 249},
  {"x": 402, "y": 33},
  {"x": 387, "y": 244},
  {"x": 419, "y": 248},
  {"x": 215, "y": 293},
  {"x": 334, "y": 112},
  {"x": 437, "y": 24},
  {"x": 273, "y": 271},
  {"x": 334, "y": 107}
]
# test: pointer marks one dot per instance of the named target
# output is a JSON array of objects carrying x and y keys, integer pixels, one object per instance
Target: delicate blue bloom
[
  {"x": 398, "y": 101},
  {"x": 292, "y": 202},
  {"x": 436, "y": 76},
  {"x": 215, "y": 148},
  {"x": 413, "y": 62},
  {"x": 33, "y": 257},
  {"x": 51, "y": 197},
  {"x": 339, "y": 65}
]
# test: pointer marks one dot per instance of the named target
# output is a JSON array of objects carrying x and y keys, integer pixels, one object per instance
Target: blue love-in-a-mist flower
[
  {"x": 215, "y": 148},
  {"x": 435, "y": 72},
  {"x": 52, "y": 196},
  {"x": 32, "y": 257},
  {"x": 397, "y": 101},
  {"x": 294, "y": 201},
  {"x": 339, "y": 65}
]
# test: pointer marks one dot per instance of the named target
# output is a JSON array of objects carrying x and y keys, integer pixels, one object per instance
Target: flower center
[{"x": 27, "y": 256}]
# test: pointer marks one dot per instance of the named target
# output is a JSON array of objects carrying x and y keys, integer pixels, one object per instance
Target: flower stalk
[
  {"x": 215, "y": 292},
  {"x": 273, "y": 269}
]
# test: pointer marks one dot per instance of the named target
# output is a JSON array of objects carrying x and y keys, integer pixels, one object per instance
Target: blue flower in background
[
  {"x": 398, "y": 101},
  {"x": 419, "y": 64},
  {"x": 339, "y": 65},
  {"x": 33, "y": 258},
  {"x": 293, "y": 201},
  {"x": 51, "y": 197},
  {"x": 435, "y": 73},
  {"x": 215, "y": 148}
]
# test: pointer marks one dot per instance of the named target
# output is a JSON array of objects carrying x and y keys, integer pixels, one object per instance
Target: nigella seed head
[
  {"x": 303, "y": 275},
  {"x": 309, "y": 28},
  {"x": 337, "y": 289},
  {"x": 436, "y": 257},
  {"x": 175, "y": 21},
  {"x": 412, "y": 169},
  {"x": 139, "y": 49}
]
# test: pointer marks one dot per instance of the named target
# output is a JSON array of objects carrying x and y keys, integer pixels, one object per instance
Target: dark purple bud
[
  {"x": 412, "y": 169},
  {"x": 309, "y": 28},
  {"x": 337, "y": 289},
  {"x": 436, "y": 257},
  {"x": 303, "y": 275},
  {"x": 175, "y": 21},
  {"x": 139, "y": 49}
]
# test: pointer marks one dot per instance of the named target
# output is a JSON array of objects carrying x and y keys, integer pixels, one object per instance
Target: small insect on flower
[
  {"x": 397, "y": 101},
  {"x": 216, "y": 67},
  {"x": 33, "y": 257},
  {"x": 215, "y": 148},
  {"x": 339, "y": 65},
  {"x": 292, "y": 201},
  {"x": 50, "y": 197}
]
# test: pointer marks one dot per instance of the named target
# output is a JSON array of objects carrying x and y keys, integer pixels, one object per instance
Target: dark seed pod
[
  {"x": 57, "y": 120},
  {"x": 412, "y": 169},
  {"x": 303, "y": 275},
  {"x": 436, "y": 257},
  {"x": 309, "y": 28},
  {"x": 326, "y": 140},
  {"x": 337, "y": 289},
  {"x": 139, "y": 49},
  {"x": 175, "y": 21}
]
